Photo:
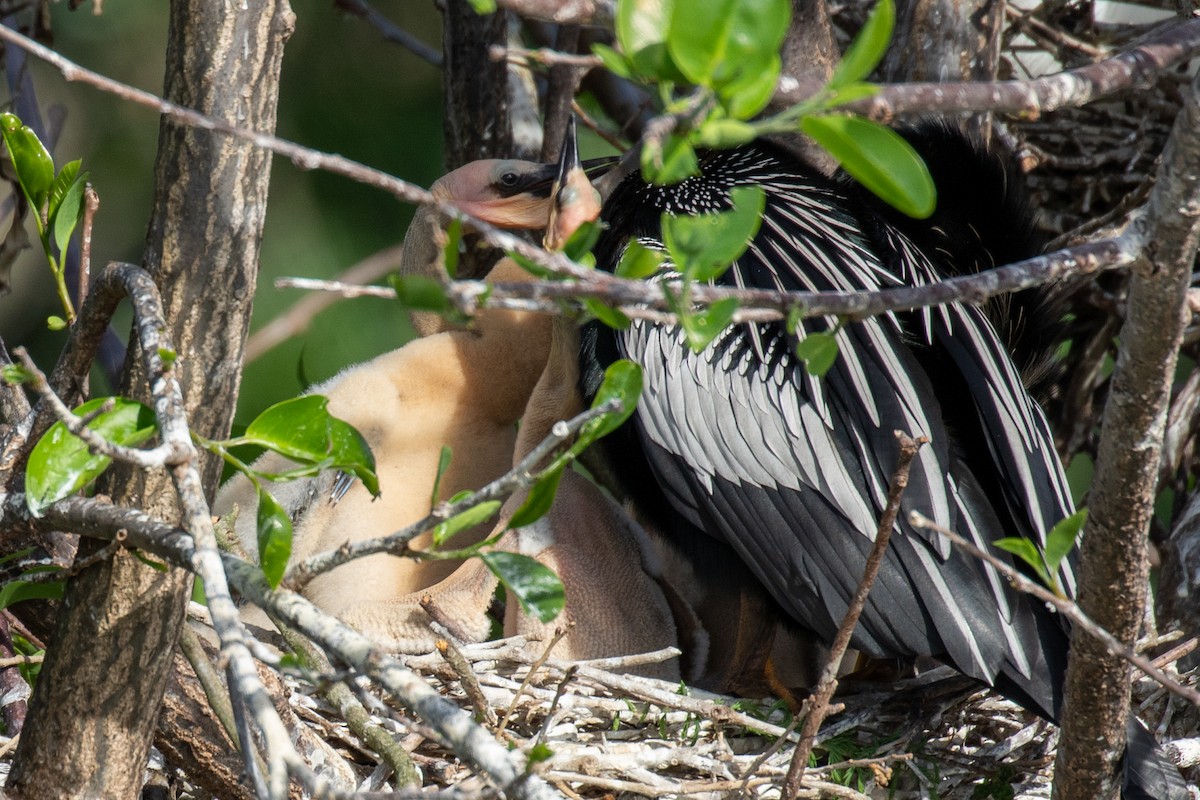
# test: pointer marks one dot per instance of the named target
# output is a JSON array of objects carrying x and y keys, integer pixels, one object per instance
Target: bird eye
[{"x": 509, "y": 179}]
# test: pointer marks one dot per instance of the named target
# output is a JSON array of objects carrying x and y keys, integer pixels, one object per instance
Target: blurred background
[{"x": 345, "y": 90}]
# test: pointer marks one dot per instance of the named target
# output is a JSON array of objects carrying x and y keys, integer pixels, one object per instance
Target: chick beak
[{"x": 573, "y": 201}]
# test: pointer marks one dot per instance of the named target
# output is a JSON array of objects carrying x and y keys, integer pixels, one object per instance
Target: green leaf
[
  {"x": 274, "y": 537},
  {"x": 622, "y": 381},
  {"x": 713, "y": 41},
  {"x": 168, "y": 356},
  {"x": 878, "y": 158},
  {"x": 34, "y": 167},
  {"x": 16, "y": 374},
  {"x": 639, "y": 261},
  {"x": 540, "y": 752},
  {"x": 444, "y": 459},
  {"x": 867, "y": 49},
  {"x": 56, "y": 323},
  {"x": 701, "y": 328},
  {"x": 539, "y": 501},
  {"x": 582, "y": 241},
  {"x": 18, "y": 590},
  {"x": 848, "y": 94},
  {"x": 303, "y": 430},
  {"x": 532, "y": 267},
  {"x": 610, "y": 316},
  {"x": 818, "y": 351},
  {"x": 614, "y": 61},
  {"x": 751, "y": 89},
  {"x": 60, "y": 464},
  {"x": 792, "y": 323},
  {"x": 536, "y": 587},
  {"x": 450, "y": 251},
  {"x": 466, "y": 519},
  {"x": 719, "y": 133},
  {"x": 157, "y": 566},
  {"x": 670, "y": 163},
  {"x": 68, "y": 214},
  {"x": 420, "y": 293},
  {"x": 1061, "y": 539},
  {"x": 1028, "y": 552},
  {"x": 641, "y": 26},
  {"x": 483, "y": 6},
  {"x": 704, "y": 245},
  {"x": 62, "y": 182}
]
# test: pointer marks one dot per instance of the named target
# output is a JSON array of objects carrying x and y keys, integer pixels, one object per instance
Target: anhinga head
[{"x": 507, "y": 193}]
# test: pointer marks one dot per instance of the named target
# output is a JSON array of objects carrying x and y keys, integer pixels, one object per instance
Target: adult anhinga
[{"x": 737, "y": 449}]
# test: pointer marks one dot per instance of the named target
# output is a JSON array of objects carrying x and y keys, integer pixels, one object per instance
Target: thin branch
[
  {"x": 818, "y": 704},
  {"x": 564, "y": 12},
  {"x": 296, "y": 319},
  {"x": 1137, "y": 68},
  {"x": 165, "y": 454},
  {"x": 641, "y": 300},
  {"x": 390, "y": 31},
  {"x": 519, "y": 477},
  {"x": 1065, "y": 607},
  {"x": 545, "y": 56}
]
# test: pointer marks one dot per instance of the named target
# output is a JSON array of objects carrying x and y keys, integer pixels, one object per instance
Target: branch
[
  {"x": 519, "y": 477},
  {"x": 1134, "y": 69},
  {"x": 1065, "y": 607},
  {"x": 391, "y": 32},
  {"x": 564, "y": 12},
  {"x": 818, "y": 704}
]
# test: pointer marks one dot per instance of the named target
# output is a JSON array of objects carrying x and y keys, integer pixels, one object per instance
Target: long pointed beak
[{"x": 573, "y": 201}]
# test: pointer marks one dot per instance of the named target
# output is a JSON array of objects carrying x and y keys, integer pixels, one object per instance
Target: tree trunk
[
  {"x": 1114, "y": 561},
  {"x": 94, "y": 708},
  {"x": 474, "y": 87}
]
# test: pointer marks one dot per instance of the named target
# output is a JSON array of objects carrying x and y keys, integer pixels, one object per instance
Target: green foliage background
[{"x": 344, "y": 90}]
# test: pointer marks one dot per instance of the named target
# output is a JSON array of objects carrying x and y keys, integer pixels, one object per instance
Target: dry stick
[
  {"x": 1065, "y": 607},
  {"x": 641, "y": 300},
  {"x": 818, "y": 704},
  {"x": 210, "y": 681},
  {"x": 467, "y": 679},
  {"x": 296, "y": 319},
  {"x": 559, "y": 633},
  {"x": 391, "y": 31},
  {"x": 91, "y": 204}
]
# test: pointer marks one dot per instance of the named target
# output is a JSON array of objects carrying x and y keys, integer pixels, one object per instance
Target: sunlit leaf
[
  {"x": 444, "y": 459},
  {"x": 303, "y": 430},
  {"x": 818, "y": 351},
  {"x": 540, "y": 752},
  {"x": 17, "y": 590},
  {"x": 274, "y": 538},
  {"x": 68, "y": 213},
  {"x": 712, "y": 41},
  {"x": 702, "y": 327},
  {"x": 483, "y": 6},
  {"x": 1028, "y": 552},
  {"x": 536, "y": 587},
  {"x": 1061, "y": 539},
  {"x": 610, "y": 316},
  {"x": 539, "y": 501},
  {"x": 583, "y": 240},
  {"x": 670, "y": 163},
  {"x": 749, "y": 91},
  {"x": 878, "y": 158},
  {"x": 704, "y": 245},
  {"x": 724, "y": 132},
  {"x": 56, "y": 323},
  {"x": 641, "y": 26},
  {"x": 622, "y": 381},
  {"x": 450, "y": 251},
  {"x": 420, "y": 293},
  {"x": 60, "y": 464},
  {"x": 34, "y": 167},
  {"x": 639, "y": 261},
  {"x": 868, "y": 48},
  {"x": 614, "y": 61},
  {"x": 15, "y": 374},
  {"x": 467, "y": 519}
]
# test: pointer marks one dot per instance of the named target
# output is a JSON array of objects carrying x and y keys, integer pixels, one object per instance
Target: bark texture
[
  {"x": 1114, "y": 552},
  {"x": 94, "y": 708},
  {"x": 475, "y": 88}
]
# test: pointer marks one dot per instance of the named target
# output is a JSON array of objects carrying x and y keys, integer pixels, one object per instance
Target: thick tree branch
[{"x": 1114, "y": 559}]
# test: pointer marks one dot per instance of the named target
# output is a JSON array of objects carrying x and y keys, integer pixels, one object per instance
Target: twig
[
  {"x": 165, "y": 454},
  {"x": 520, "y": 477},
  {"x": 1065, "y": 607},
  {"x": 559, "y": 633},
  {"x": 19, "y": 660},
  {"x": 542, "y": 55},
  {"x": 91, "y": 204},
  {"x": 391, "y": 31},
  {"x": 296, "y": 319},
  {"x": 210, "y": 681},
  {"x": 467, "y": 680},
  {"x": 818, "y": 703}
]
